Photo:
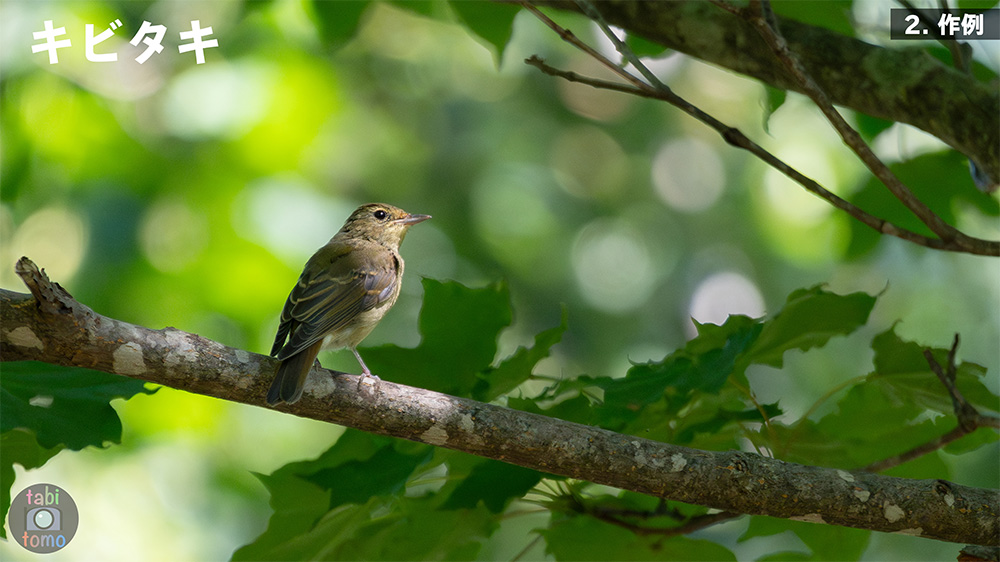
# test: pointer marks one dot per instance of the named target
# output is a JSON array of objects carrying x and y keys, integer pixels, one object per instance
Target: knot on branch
[{"x": 51, "y": 297}]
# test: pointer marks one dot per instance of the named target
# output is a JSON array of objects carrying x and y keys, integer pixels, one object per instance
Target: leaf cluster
[{"x": 45, "y": 409}]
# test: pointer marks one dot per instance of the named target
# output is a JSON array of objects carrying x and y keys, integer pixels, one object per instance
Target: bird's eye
[{"x": 380, "y": 214}]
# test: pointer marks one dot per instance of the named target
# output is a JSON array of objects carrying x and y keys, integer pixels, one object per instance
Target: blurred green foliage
[
  {"x": 188, "y": 195},
  {"x": 46, "y": 408}
]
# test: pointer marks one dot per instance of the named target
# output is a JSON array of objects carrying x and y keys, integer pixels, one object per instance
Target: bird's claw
[{"x": 368, "y": 379}]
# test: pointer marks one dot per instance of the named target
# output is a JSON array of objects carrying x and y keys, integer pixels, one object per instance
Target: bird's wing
[{"x": 337, "y": 284}]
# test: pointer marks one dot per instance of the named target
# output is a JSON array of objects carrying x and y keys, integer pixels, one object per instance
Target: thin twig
[
  {"x": 760, "y": 16},
  {"x": 953, "y": 46},
  {"x": 527, "y": 547},
  {"x": 916, "y": 452},
  {"x": 691, "y": 525},
  {"x": 568, "y": 36},
  {"x": 626, "y": 52},
  {"x": 815, "y": 406},
  {"x": 622, "y": 517},
  {"x": 957, "y": 49},
  {"x": 969, "y": 419},
  {"x": 760, "y": 409},
  {"x": 736, "y": 138}
]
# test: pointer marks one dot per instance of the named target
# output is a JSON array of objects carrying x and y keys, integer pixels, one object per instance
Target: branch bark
[
  {"x": 903, "y": 85},
  {"x": 50, "y": 326}
]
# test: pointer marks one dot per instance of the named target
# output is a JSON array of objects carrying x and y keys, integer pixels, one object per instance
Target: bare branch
[
  {"x": 917, "y": 452},
  {"x": 759, "y": 15},
  {"x": 627, "y": 520},
  {"x": 568, "y": 36},
  {"x": 900, "y": 85},
  {"x": 951, "y": 239},
  {"x": 736, "y": 138},
  {"x": 53, "y": 327}
]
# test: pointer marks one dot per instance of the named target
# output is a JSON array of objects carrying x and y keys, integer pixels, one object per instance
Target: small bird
[{"x": 347, "y": 286}]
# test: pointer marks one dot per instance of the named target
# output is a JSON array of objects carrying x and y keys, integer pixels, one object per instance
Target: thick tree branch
[
  {"x": 903, "y": 85},
  {"x": 51, "y": 326}
]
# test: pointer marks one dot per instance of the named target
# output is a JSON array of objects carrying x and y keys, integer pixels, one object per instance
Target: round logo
[{"x": 42, "y": 518}]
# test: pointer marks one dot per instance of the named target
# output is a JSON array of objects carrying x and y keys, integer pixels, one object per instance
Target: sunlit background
[{"x": 186, "y": 195}]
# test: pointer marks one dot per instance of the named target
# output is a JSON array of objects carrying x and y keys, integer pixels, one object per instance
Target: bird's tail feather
[{"x": 291, "y": 376}]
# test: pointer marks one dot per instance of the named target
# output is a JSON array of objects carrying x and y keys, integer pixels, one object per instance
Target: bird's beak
[{"x": 411, "y": 219}]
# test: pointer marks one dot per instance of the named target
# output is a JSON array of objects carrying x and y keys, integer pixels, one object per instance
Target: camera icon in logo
[{"x": 43, "y": 519}]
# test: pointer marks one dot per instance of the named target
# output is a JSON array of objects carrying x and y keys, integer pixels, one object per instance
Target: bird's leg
[
  {"x": 317, "y": 365},
  {"x": 366, "y": 374}
]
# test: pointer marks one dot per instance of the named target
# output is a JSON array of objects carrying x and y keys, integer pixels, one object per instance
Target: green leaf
[
  {"x": 719, "y": 351},
  {"x": 578, "y": 409},
  {"x": 927, "y": 466},
  {"x": 353, "y": 476},
  {"x": 643, "y": 47},
  {"x": 642, "y": 386},
  {"x": 298, "y": 505},
  {"x": 871, "y": 127},
  {"x": 416, "y": 530},
  {"x": 825, "y": 541},
  {"x": 688, "y": 429},
  {"x": 830, "y": 542},
  {"x": 459, "y": 327},
  {"x": 834, "y": 15},
  {"x": 18, "y": 446},
  {"x": 518, "y": 367},
  {"x": 809, "y": 319},
  {"x": 900, "y": 365},
  {"x": 784, "y": 556},
  {"x": 857, "y": 434},
  {"x": 64, "y": 406},
  {"x": 705, "y": 363},
  {"x": 684, "y": 398},
  {"x": 427, "y": 8},
  {"x": 491, "y": 21},
  {"x": 774, "y": 99},
  {"x": 586, "y": 538},
  {"x": 312, "y": 541},
  {"x": 304, "y": 527},
  {"x": 338, "y": 22},
  {"x": 45, "y": 408},
  {"x": 972, "y": 441},
  {"x": 493, "y": 483},
  {"x": 650, "y": 400},
  {"x": 840, "y": 441},
  {"x": 356, "y": 481},
  {"x": 976, "y": 5}
]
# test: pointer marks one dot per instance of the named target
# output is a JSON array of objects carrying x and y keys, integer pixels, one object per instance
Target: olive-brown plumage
[{"x": 345, "y": 289}]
